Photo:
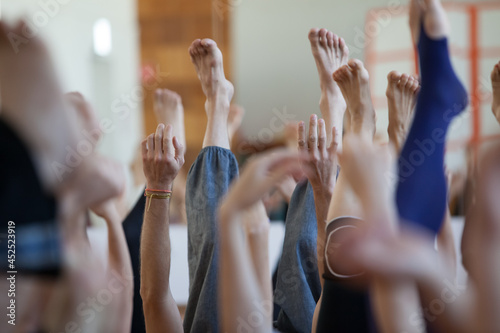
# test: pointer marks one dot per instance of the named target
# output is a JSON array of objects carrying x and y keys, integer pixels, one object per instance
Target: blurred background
[{"x": 117, "y": 52}]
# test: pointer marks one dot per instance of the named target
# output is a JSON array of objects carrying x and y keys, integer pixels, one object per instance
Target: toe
[
  {"x": 355, "y": 64},
  {"x": 344, "y": 48},
  {"x": 344, "y": 72},
  {"x": 195, "y": 52},
  {"x": 409, "y": 83},
  {"x": 330, "y": 39},
  {"x": 335, "y": 39},
  {"x": 416, "y": 85},
  {"x": 394, "y": 77},
  {"x": 208, "y": 43},
  {"x": 314, "y": 35},
  {"x": 194, "y": 46},
  {"x": 337, "y": 74},
  {"x": 403, "y": 81},
  {"x": 322, "y": 36}
]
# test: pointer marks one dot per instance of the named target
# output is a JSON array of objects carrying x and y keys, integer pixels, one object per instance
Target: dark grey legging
[
  {"x": 298, "y": 286},
  {"x": 207, "y": 183}
]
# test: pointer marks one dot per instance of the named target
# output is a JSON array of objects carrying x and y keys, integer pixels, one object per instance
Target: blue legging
[{"x": 421, "y": 191}]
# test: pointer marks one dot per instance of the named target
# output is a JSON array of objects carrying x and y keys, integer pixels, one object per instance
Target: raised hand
[
  {"x": 163, "y": 157},
  {"x": 322, "y": 162}
]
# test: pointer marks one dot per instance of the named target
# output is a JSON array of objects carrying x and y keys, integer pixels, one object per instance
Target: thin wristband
[
  {"x": 161, "y": 191},
  {"x": 152, "y": 196}
]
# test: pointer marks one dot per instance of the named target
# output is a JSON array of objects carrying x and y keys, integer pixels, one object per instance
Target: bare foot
[
  {"x": 168, "y": 109},
  {"x": 432, "y": 15},
  {"x": 495, "y": 83},
  {"x": 234, "y": 119},
  {"x": 207, "y": 60},
  {"x": 353, "y": 80},
  {"x": 330, "y": 53},
  {"x": 401, "y": 95}
]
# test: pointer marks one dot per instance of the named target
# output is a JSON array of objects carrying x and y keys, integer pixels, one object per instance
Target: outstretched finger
[
  {"x": 335, "y": 143},
  {"x": 313, "y": 133},
  {"x": 179, "y": 150},
  {"x": 158, "y": 141},
  {"x": 321, "y": 135},
  {"x": 302, "y": 136},
  {"x": 151, "y": 146},
  {"x": 168, "y": 147},
  {"x": 144, "y": 148}
]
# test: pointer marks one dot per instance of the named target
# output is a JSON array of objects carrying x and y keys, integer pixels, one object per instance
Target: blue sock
[{"x": 421, "y": 194}]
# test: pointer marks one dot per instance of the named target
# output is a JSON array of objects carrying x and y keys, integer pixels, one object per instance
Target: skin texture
[
  {"x": 402, "y": 91},
  {"x": 394, "y": 300},
  {"x": 330, "y": 52},
  {"x": 244, "y": 279},
  {"x": 495, "y": 84},
  {"x": 321, "y": 169},
  {"x": 353, "y": 80},
  {"x": 163, "y": 157},
  {"x": 207, "y": 60}
]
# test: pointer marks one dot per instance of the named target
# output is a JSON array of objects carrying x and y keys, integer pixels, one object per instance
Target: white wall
[
  {"x": 67, "y": 26},
  {"x": 273, "y": 65}
]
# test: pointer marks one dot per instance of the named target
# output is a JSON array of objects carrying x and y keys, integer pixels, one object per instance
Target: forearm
[
  {"x": 240, "y": 292},
  {"x": 322, "y": 200},
  {"x": 160, "y": 310},
  {"x": 155, "y": 250},
  {"x": 119, "y": 256},
  {"x": 120, "y": 262},
  {"x": 259, "y": 247},
  {"x": 258, "y": 242},
  {"x": 397, "y": 305}
]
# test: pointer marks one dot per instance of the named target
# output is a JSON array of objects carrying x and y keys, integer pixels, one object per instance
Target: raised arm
[
  {"x": 322, "y": 173},
  {"x": 367, "y": 168},
  {"x": 163, "y": 157},
  {"x": 243, "y": 289},
  {"x": 118, "y": 254}
]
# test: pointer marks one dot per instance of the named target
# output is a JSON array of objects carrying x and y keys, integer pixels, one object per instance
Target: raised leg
[
  {"x": 207, "y": 183},
  {"x": 207, "y": 60},
  {"x": 441, "y": 98},
  {"x": 330, "y": 52}
]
